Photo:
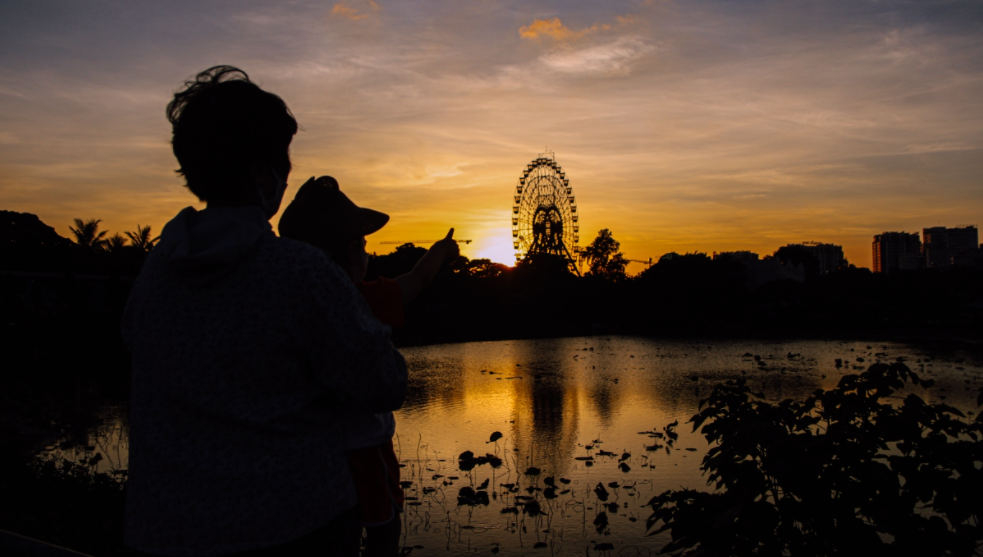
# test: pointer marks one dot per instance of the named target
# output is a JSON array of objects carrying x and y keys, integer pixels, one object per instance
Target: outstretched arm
[{"x": 426, "y": 268}]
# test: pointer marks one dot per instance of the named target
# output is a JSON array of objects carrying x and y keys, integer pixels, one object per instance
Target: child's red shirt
[{"x": 375, "y": 469}]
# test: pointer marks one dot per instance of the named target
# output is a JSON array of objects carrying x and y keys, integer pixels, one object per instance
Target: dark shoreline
[{"x": 940, "y": 340}]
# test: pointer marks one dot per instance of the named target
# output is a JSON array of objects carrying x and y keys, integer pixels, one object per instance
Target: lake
[{"x": 561, "y": 406}]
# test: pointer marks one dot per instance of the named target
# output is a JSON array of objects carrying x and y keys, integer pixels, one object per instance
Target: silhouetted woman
[{"x": 247, "y": 348}]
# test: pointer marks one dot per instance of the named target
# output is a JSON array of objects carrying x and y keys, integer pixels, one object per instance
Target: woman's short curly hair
[{"x": 223, "y": 123}]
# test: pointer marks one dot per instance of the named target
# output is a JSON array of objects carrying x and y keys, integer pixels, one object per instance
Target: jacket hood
[{"x": 201, "y": 246}]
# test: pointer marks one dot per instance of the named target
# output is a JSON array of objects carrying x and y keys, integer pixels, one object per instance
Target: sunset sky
[{"x": 683, "y": 126}]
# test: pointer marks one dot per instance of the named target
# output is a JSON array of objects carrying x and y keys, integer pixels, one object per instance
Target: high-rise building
[
  {"x": 830, "y": 256},
  {"x": 940, "y": 244},
  {"x": 896, "y": 250}
]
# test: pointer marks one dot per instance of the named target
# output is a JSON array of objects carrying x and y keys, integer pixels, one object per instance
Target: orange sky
[{"x": 683, "y": 126}]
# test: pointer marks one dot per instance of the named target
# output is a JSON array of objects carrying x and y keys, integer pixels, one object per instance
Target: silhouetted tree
[
  {"x": 683, "y": 269},
  {"x": 27, "y": 244},
  {"x": 485, "y": 268},
  {"x": 604, "y": 258},
  {"x": 683, "y": 279},
  {"x": 391, "y": 265},
  {"x": 457, "y": 265},
  {"x": 115, "y": 244},
  {"x": 690, "y": 290},
  {"x": 141, "y": 238},
  {"x": 543, "y": 268},
  {"x": 87, "y": 234}
]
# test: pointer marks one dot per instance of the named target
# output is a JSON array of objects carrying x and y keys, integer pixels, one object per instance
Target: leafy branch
[{"x": 842, "y": 472}]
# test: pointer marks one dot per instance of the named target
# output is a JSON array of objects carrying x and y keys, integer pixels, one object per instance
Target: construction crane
[
  {"x": 642, "y": 261},
  {"x": 581, "y": 257},
  {"x": 420, "y": 241}
]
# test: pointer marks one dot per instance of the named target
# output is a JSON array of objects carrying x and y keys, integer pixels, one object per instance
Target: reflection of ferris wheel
[{"x": 544, "y": 216}]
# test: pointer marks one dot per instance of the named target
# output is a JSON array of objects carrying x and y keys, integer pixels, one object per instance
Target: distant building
[
  {"x": 759, "y": 271},
  {"x": 830, "y": 256},
  {"x": 766, "y": 270},
  {"x": 896, "y": 250},
  {"x": 736, "y": 255},
  {"x": 941, "y": 245}
]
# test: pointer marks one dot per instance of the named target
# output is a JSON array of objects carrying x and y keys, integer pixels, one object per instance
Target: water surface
[{"x": 557, "y": 402}]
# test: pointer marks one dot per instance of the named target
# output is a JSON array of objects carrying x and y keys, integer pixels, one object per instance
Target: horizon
[{"x": 698, "y": 127}]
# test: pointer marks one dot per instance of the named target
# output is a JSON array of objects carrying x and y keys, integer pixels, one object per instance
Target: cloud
[
  {"x": 549, "y": 27},
  {"x": 847, "y": 119},
  {"x": 614, "y": 58},
  {"x": 555, "y": 28},
  {"x": 342, "y": 10}
]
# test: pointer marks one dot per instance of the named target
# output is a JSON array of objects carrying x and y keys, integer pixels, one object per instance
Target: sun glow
[
  {"x": 750, "y": 156},
  {"x": 497, "y": 246}
]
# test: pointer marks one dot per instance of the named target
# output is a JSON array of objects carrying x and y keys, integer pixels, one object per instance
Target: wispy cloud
[
  {"x": 701, "y": 125},
  {"x": 613, "y": 58}
]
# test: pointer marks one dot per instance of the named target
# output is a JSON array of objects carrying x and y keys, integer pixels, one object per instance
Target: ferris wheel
[{"x": 544, "y": 215}]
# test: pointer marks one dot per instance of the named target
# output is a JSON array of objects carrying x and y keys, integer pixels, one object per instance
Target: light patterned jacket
[{"x": 247, "y": 351}]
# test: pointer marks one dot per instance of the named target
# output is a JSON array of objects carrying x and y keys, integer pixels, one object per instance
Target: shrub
[{"x": 844, "y": 472}]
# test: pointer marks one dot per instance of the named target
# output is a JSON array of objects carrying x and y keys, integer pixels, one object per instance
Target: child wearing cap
[{"x": 322, "y": 215}]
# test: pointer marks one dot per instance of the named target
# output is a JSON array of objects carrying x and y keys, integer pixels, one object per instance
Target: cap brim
[{"x": 372, "y": 221}]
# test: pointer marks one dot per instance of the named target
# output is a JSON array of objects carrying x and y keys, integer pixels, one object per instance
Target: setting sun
[
  {"x": 669, "y": 136},
  {"x": 497, "y": 246}
]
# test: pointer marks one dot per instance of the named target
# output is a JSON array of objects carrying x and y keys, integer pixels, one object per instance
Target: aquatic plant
[{"x": 848, "y": 471}]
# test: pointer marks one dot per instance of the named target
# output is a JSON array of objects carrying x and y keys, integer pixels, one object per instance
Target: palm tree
[
  {"x": 115, "y": 243},
  {"x": 141, "y": 238},
  {"x": 87, "y": 234}
]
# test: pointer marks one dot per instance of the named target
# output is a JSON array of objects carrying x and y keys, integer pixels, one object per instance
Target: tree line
[
  {"x": 88, "y": 235},
  {"x": 680, "y": 294}
]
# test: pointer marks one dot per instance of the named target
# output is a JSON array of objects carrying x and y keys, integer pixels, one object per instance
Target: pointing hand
[{"x": 449, "y": 245}]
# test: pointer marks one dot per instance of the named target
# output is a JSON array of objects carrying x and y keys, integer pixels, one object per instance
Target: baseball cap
[{"x": 322, "y": 215}]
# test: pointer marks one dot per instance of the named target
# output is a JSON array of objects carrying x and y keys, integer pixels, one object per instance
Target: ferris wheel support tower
[{"x": 544, "y": 214}]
